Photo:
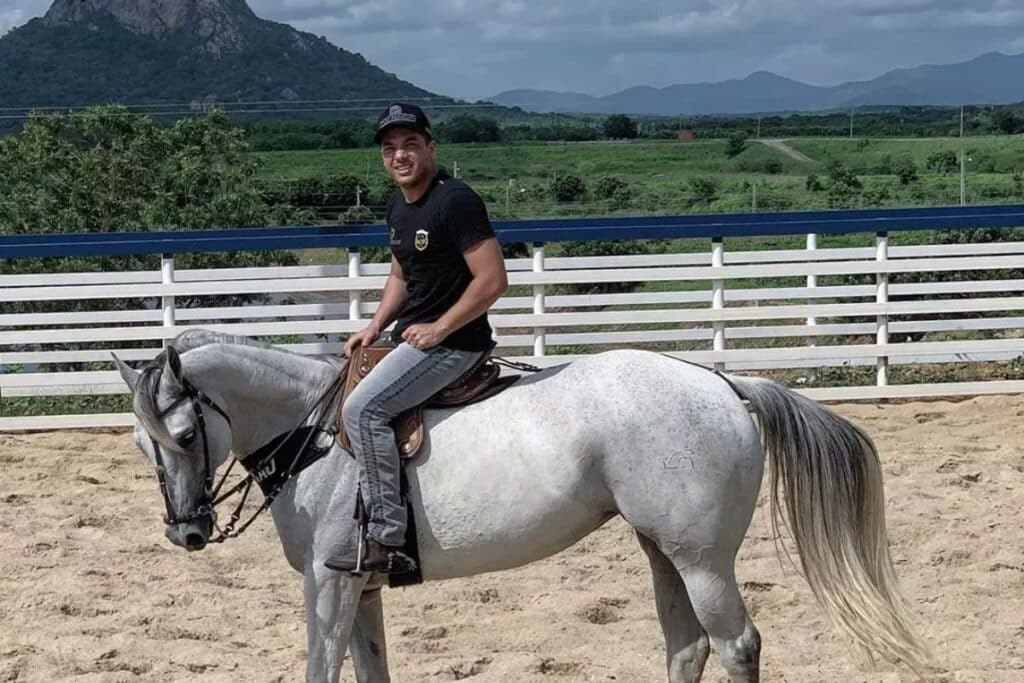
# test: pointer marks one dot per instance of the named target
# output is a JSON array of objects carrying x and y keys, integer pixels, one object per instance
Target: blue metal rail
[{"x": 549, "y": 230}]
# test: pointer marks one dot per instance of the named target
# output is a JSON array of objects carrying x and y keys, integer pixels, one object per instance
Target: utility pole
[
  {"x": 455, "y": 171},
  {"x": 963, "y": 162},
  {"x": 851, "y": 123},
  {"x": 508, "y": 198},
  {"x": 758, "y": 128},
  {"x": 359, "y": 196}
]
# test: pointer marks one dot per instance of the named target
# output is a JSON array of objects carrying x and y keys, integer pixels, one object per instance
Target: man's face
[{"x": 408, "y": 157}]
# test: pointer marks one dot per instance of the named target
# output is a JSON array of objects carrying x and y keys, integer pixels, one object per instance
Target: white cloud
[
  {"x": 475, "y": 48},
  {"x": 10, "y": 18}
]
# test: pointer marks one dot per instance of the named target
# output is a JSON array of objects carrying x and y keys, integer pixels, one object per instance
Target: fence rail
[{"x": 801, "y": 310}]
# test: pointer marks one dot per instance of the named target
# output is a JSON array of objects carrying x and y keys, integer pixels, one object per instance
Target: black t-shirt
[{"x": 429, "y": 237}]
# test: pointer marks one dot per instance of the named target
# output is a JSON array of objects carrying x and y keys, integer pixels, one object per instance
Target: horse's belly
[{"x": 483, "y": 505}]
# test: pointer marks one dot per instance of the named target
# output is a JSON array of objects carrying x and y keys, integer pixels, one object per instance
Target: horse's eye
[{"x": 188, "y": 437}]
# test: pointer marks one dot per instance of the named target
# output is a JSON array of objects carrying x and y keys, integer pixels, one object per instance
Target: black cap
[{"x": 402, "y": 115}]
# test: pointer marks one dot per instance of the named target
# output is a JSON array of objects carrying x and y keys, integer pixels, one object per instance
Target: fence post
[
  {"x": 812, "y": 282},
  {"x": 539, "y": 336},
  {"x": 718, "y": 297},
  {"x": 167, "y": 301},
  {"x": 882, "y": 297},
  {"x": 354, "y": 296}
]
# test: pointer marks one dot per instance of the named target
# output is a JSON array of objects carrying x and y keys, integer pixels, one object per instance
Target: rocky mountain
[
  {"x": 181, "y": 51},
  {"x": 993, "y": 78}
]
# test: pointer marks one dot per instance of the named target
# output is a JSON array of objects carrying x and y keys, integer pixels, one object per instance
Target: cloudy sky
[{"x": 475, "y": 48}]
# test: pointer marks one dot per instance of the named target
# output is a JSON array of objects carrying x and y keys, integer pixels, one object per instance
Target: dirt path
[
  {"x": 90, "y": 591},
  {"x": 783, "y": 147}
]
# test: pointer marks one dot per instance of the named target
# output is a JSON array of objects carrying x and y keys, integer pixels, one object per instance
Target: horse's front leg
[
  {"x": 332, "y": 600},
  {"x": 369, "y": 650}
]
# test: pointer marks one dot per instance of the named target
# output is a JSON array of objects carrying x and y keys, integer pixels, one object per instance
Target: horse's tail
[{"x": 831, "y": 480}]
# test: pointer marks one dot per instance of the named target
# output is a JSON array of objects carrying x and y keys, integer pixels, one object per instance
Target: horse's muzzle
[{"x": 191, "y": 535}]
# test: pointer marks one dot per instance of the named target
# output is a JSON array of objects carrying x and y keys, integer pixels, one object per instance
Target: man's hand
[
  {"x": 363, "y": 337},
  {"x": 425, "y": 336}
]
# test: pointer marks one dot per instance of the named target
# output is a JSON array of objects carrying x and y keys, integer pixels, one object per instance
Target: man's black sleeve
[{"x": 466, "y": 219}]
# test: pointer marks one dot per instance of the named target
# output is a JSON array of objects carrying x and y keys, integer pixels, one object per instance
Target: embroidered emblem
[
  {"x": 422, "y": 240},
  {"x": 395, "y": 242}
]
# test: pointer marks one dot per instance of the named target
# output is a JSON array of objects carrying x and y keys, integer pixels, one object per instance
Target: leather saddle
[{"x": 481, "y": 381}]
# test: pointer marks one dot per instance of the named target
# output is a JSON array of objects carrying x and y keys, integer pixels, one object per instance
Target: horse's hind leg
[
  {"x": 686, "y": 643},
  {"x": 719, "y": 607}
]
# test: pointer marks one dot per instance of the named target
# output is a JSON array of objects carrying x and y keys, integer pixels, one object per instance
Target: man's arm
[
  {"x": 392, "y": 301},
  {"x": 489, "y": 282}
]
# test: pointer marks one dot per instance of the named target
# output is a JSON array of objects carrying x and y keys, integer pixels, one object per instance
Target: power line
[
  {"x": 197, "y": 112},
  {"x": 252, "y": 102}
]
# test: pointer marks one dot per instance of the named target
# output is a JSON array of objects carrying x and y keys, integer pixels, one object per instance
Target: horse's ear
[
  {"x": 172, "y": 367},
  {"x": 130, "y": 377}
]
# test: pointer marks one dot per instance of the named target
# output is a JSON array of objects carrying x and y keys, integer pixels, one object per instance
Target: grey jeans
[{"x": 405, "y": 378}]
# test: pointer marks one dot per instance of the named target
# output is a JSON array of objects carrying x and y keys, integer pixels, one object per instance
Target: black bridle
[
  {"x": 206, "y": 505},
  {"x": 210, "y": 500}
]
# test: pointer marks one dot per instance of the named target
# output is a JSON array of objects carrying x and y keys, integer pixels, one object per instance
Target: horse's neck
[{"x": 266, "y": 392}]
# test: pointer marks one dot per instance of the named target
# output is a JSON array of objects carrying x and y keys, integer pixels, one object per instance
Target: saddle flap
[{"x": 408, "y": 426}]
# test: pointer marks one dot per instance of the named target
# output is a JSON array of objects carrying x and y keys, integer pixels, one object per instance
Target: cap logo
[{"x": 396, "y": 115}]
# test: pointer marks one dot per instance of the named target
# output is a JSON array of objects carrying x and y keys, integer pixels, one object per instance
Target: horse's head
[{"x": 186, "y": 434}]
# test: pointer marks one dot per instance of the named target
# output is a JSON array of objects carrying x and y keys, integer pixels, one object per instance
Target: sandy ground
[{"x": 91, "y": 591}]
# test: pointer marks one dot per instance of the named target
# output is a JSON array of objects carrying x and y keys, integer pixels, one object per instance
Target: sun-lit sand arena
[{"x": 91, "y": 591}]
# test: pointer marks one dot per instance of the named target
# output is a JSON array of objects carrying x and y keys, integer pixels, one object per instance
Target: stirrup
[
  {"x": 375, "y": 558},
  {"x": 388, "y": 560}
]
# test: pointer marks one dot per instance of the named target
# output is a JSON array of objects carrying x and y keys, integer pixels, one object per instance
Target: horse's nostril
[{"x": 195, "y": 541}]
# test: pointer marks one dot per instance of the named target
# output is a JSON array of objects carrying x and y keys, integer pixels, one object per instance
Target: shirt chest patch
[{"x": 422, "y": 240}]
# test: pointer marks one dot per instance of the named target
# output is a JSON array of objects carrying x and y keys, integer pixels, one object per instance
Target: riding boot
[{"x": 377, "y": 558}]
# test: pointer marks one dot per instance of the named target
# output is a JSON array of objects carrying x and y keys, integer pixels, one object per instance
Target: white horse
[{"x": 669, "y": 446}]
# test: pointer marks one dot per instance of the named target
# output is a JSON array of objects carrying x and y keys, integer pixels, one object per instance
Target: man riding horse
[{"x": 447, "y": 270}]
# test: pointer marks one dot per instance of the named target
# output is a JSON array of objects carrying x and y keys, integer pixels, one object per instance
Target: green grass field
[{"x": 515, "y": 178}]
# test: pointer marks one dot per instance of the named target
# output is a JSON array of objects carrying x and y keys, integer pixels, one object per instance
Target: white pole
[
  {"x": 882, "y": 297},
  {"x": 539, "y": 336},
  {"x": 167, "y": 278},
  {"x": 812, "y": 322},
  {"x": 718, "y": 297},
  {"x": 354, "y": 296},
  {"x": 963, "y": 162}
]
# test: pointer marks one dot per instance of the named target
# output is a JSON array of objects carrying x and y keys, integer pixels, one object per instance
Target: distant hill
[
  {"x": 993, "y": 78},
  {"x": 152, "y": 51}
]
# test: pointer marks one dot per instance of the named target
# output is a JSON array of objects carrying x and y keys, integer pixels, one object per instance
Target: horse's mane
[{"x": 148, "y": 386}]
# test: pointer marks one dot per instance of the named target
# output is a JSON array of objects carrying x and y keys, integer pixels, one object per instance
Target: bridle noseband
[{"x": 205, "y": 509}]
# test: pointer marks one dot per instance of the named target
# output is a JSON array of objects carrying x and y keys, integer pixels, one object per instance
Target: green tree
[
  {"x": 465, "y": 128},
  {"x": 109, "y": 170},
  {"x": 843, "y": 186},
  {"x": 615, "y": 191},
  {"x": 1007, "y": 121},
  {"x": 620, "y": 127},
  {"x": 703, "y": 191},
  {"x": 945, "y": 162},
  {"x": 906, "y": 171},
  {"x": 568, "y": 188},
  {"x": 735, "y": 145}
]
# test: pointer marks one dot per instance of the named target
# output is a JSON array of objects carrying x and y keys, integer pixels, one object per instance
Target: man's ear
[{"x": 130, "y": 377}]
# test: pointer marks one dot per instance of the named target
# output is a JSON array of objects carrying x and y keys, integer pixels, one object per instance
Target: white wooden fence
[{"x": 723, "y": 309}]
